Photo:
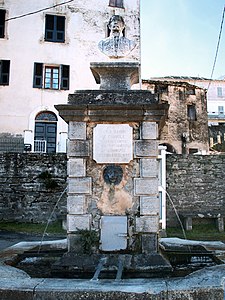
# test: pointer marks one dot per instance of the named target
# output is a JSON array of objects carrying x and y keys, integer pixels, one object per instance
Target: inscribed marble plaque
[{"x": 113, "y": 143}]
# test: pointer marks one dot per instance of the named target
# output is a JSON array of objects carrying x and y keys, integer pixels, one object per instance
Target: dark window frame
[
  {"x": 4, "y": 72},
  {"x": 55, "y": 28},
  {"x": 2, "y": 23},
  {"x": 61, "y": 82},
  {"x": 191, "y": 112},
  {"x": 116, "y": 3}
]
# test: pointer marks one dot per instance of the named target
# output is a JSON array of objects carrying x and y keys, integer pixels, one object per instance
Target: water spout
[
  {"x": 120, "y": 268},
  {"x": 177, "y": 215},
  {"x": 49, "y": 219},
  {"x": 100, "y": 265}
]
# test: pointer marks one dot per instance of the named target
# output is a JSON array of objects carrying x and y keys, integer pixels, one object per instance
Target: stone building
[
  {"x": 186, "y": 128},
  {"x": 215, "y": 105},
  {"x": 46, "y": 50}
]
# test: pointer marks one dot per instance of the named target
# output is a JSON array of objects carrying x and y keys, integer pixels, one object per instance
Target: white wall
[{"x": 24, "y": 44}]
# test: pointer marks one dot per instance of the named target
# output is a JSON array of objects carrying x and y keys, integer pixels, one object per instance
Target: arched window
[
  {"x": 45, "y": 132},
  {"x": 116, "y": 3}
]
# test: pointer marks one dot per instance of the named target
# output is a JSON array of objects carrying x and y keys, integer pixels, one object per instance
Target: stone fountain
[{"x": 113, "y": 201}]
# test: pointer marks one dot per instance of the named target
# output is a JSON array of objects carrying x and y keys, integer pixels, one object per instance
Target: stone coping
[
  {"x": 203, "y": 284},
  {"x": 107, "y": 97}
]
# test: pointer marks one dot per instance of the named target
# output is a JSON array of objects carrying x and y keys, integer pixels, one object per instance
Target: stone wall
[
  {"x": 31, "y": 185},
  {"x": 195, "y": 184},
  {"x": 28, "y": 193}
]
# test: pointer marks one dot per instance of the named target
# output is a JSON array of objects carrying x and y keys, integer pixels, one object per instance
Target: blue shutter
[{"x": 38, "y": 75}]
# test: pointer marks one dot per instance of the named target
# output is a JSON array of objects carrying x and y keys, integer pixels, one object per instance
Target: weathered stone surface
[
  {"x": 145, "y": 186},
  {"x": 79, "y": 185},
  {"x": 145, "y": 148},
  {"x": 75, "y": 222},
  {"x": 30, "y": 186},
  {"x": 86, "y": 97},
  {"x": 76, "y": 204},
  {"x": 76, "y": 167},
  {"x": 77, "y": 130},
  {"x": 147, "y": 224},
  {"x": 149, "y": 205},
  {"x": 196, "y": 187},
  {"x": 149, "y": 131},
  {"x": 149, "y": 243},
  {"x": 78, "y": 148},
  {"x": 149, "y": 167}
]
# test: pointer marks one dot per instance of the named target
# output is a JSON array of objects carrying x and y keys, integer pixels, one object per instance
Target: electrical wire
[
  {"x": 37, "y": 11},
  {"x": 217, "y": 48}
]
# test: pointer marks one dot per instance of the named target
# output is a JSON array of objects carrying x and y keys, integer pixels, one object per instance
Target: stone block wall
[
  {"x": 30, "y": 186},
  {"x": 196, "y": 186}
]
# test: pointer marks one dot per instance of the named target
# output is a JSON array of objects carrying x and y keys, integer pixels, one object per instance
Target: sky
[{"x": 179, "y": 38}]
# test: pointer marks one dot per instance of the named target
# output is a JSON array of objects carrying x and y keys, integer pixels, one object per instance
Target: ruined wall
[
  {"x": 195, "y": 184},
  {"x": 31, "y": 185},
  {"x": 184, "y": 132}
]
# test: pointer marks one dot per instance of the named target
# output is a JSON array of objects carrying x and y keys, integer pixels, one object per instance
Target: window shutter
[
  {"x": 4, "y": 72},
  {"x": 60, "y": 29},
  {"x": 2, "y": 23},
  {"x": 116, "y": 3},
  {"x": 38, "y": 75},
  {"x": 65, "y": 76}
]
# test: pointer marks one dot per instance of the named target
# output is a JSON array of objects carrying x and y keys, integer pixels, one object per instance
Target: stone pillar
[
  {"x": 79, "y": 185},
  {"x": 146, "y": 187}
]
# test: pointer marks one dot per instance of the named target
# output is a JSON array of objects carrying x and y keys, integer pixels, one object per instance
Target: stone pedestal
[{"x": 115, "y": 75}]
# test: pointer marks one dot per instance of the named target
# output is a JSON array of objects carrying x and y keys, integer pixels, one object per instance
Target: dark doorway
[{"x": 45, "y": 132}]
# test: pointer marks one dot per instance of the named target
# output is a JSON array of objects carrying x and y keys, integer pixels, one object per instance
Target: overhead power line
[
  {"x": 38, "y": 11},
  {"x": 217, "y": 48}
]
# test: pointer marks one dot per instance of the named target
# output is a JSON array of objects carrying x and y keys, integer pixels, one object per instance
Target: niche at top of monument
[
  {"x": 116, "y": 45},
  {"x": 113, "y": 143}
]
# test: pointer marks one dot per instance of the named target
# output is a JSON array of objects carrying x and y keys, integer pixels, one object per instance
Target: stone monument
[{"x": 113, "y": 202}]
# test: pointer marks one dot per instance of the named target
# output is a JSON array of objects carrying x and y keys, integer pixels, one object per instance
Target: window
[
  {"x": 55, "y": 28},
  {"x": 51, "y": 77},
  {"x": 221, "y": 110},
  {"x": 2, "y": 23},
  {"x": 193, "y": 150},
  {"x": 4, "y": 72},
  {"x": 190, "y": 91},
  {"x": 219, "y": 92},
  {"x": 116, "y": 3},
  {"x": 192, "y": 112},
  {"x": 161, "y": 89}
]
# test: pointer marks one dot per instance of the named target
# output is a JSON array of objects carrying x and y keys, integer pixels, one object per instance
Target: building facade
[
  {"x": 186, "y": 127},
  {"x": 46, "y": 50}
]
